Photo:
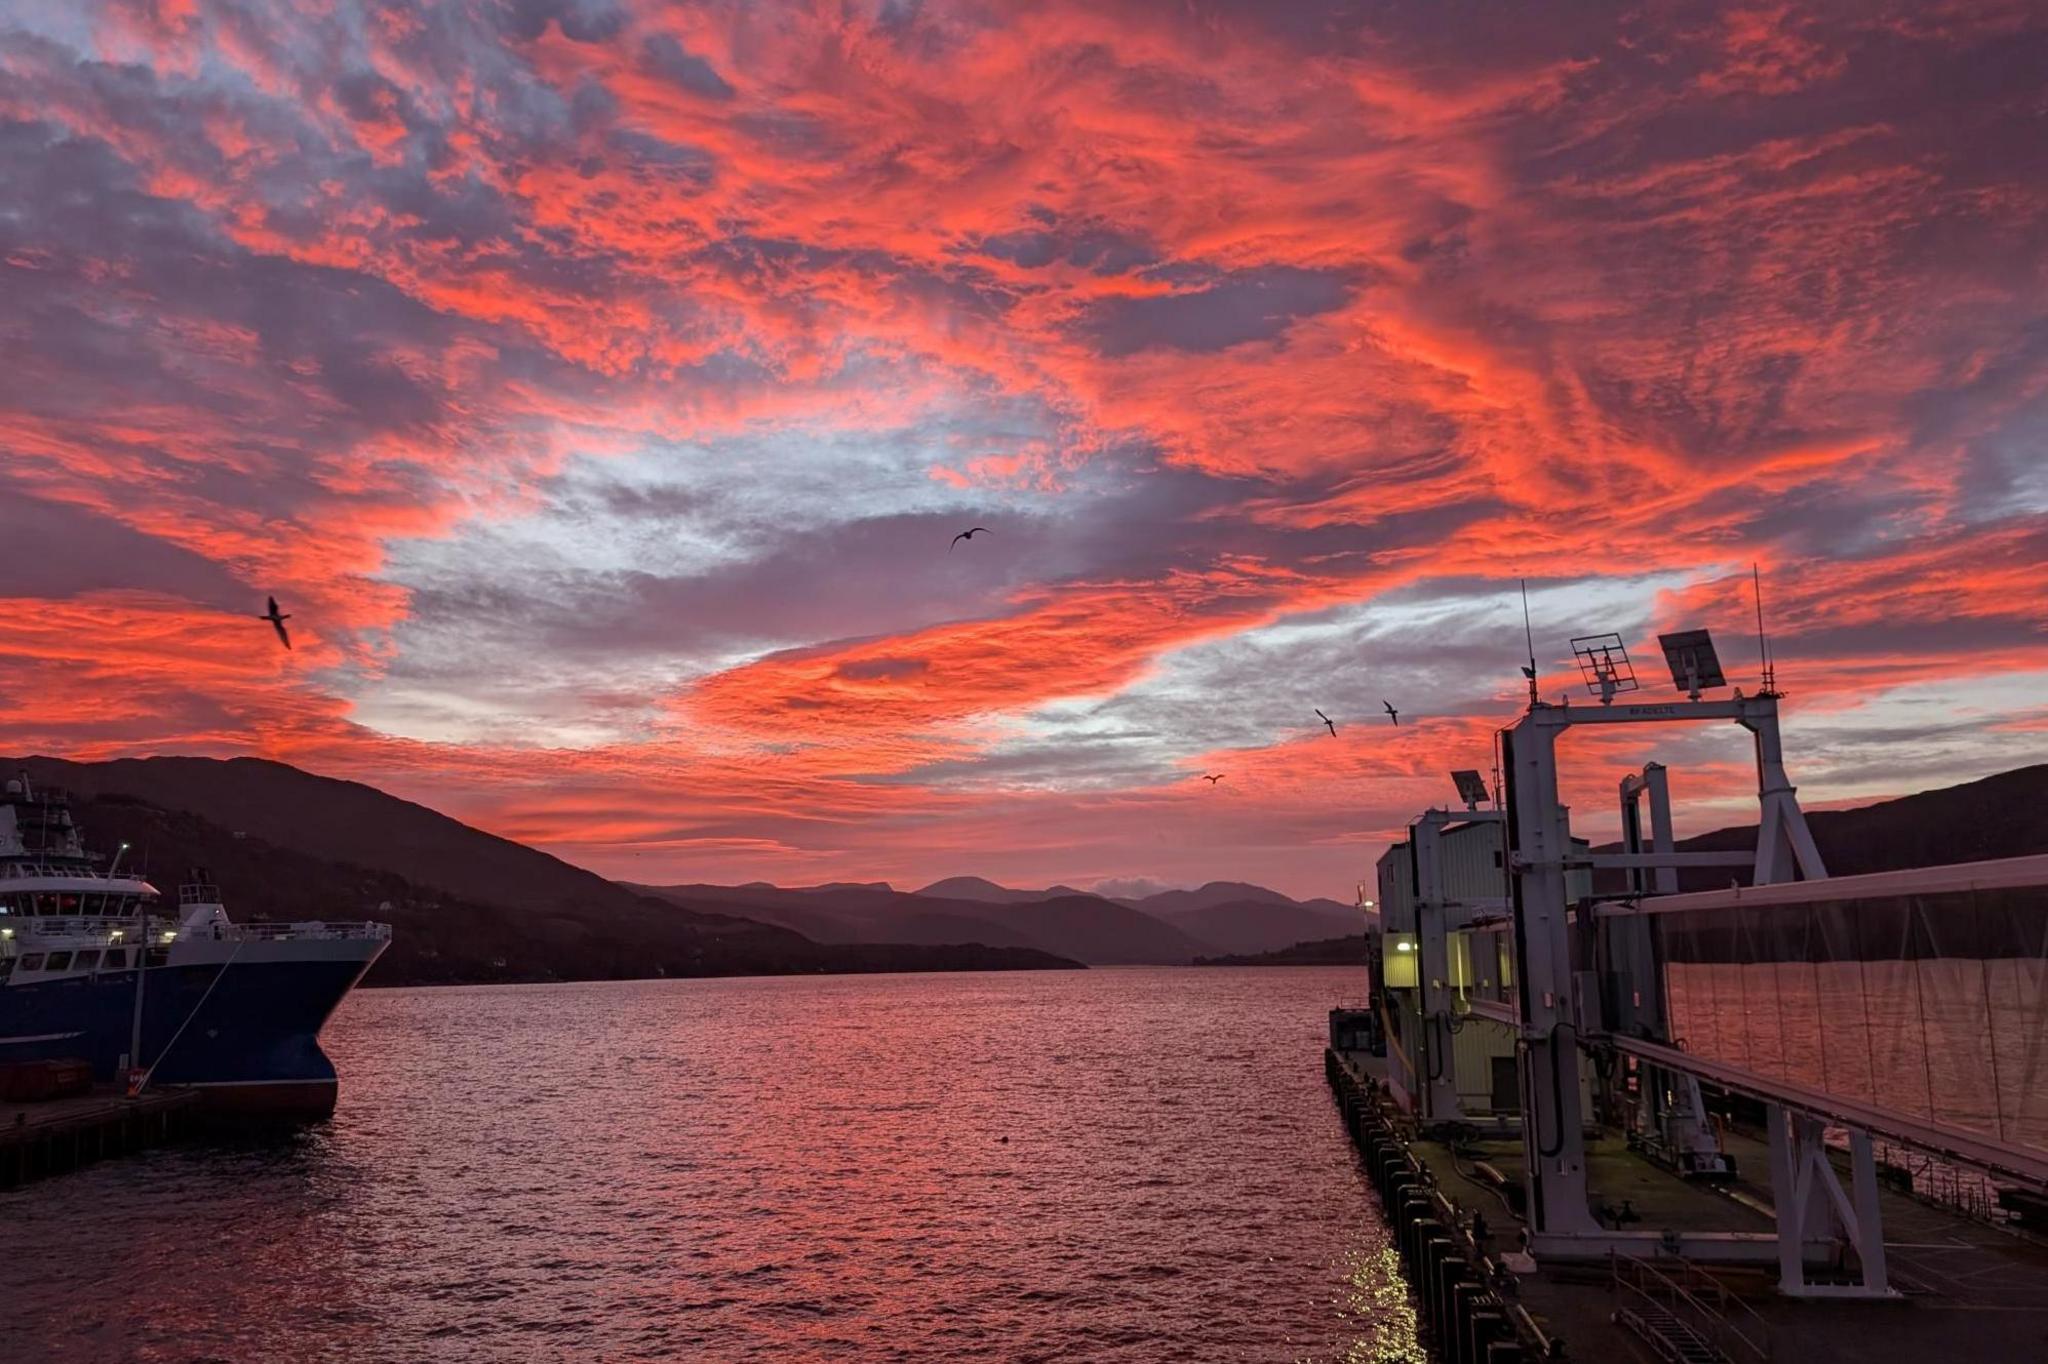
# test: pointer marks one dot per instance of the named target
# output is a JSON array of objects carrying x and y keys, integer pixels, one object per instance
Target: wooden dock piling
[{"x": 55, "y": 1135}]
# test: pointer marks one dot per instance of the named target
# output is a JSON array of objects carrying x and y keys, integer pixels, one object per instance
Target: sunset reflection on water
[{"x": 1127, "y": 1165}]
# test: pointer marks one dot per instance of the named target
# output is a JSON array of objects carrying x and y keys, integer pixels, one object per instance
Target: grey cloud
[
  {"x": 585, "y": 21},
  {"x": 48, "y": 549},
  {"x": 1248, "y": 305},
  {"x": 671, "y": 60}
]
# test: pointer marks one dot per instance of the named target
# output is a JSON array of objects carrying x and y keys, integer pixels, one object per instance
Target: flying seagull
[
  {"x": 1212, "y": 780},
  {"x": 1392, "y": 714},
  {"x": 967, "y": 535},
  {"x": 277, "y": 620},
  {"x": 1328, "y": 721}
]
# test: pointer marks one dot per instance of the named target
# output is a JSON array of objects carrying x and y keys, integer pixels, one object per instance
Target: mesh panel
[{"x": 1934, "y": 1005}]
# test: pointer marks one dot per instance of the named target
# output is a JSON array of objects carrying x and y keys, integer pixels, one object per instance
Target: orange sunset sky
[{"x": 599, "y": 386}]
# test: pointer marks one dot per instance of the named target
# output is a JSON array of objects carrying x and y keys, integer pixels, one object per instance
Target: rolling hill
[
  {"x": 466, "y": 905},
  {"x": 979, "y": 888},
  {"x": 1238, "y": 926},
  {"x": 1345, "y": 951},
  {"x": 1170, "y": 928},
  {"x": 1084, "y": 927},
  {"x": 2003, "y": 815}
]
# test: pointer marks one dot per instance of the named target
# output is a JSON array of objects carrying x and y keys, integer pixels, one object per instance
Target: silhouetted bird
[
  {"x": 967, "y": 535},
  {"x": 1328, "y": 721},
  {"x": 1392, "y": 714},
  {"x": 277, "y": 621},
  {"x": 1212, "y": 780}
]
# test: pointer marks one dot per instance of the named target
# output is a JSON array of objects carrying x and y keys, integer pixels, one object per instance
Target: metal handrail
[
  {"x": 1723, "y": 1299},
  {"x": 97, "y": 925},
  {"x": 1715, "y": 1325},
  {"x": 23, "y": 871},
  {"x": 314, "y": 929}
]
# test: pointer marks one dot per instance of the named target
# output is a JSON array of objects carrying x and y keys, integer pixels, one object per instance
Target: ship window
[
  {"x": 116, "y": 959},
  {"x": 59, "y": 961},
  {"x": 32, "y": 962},
  {"x": 159, "y": 956},
  {"x": 67, "y": 904},
  {"x": 6, "y": 965},
  {"x": 86, "y": 961}
]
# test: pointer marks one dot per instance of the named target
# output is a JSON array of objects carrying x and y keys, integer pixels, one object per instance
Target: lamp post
[{"x": 135, "y": 1071}]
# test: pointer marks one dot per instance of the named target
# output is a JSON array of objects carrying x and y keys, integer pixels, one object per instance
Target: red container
[{"x": 32, "y": 1081}]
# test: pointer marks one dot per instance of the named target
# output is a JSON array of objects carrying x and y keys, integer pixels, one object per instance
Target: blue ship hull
[{"x": 247, "y": 1034}]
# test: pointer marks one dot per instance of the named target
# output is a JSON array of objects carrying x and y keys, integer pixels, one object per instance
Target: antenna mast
[
  {"x": 1529, "y": 635},
  {"x": 1763, "y": 643}
]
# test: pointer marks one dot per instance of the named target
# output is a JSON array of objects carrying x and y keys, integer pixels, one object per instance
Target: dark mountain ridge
[
  {"x": 1086, "y": 928},
  {"x": 1172, "y": 927},
  {"x": 2002, "y": 815},
  {"x": 466, "y": 906}
]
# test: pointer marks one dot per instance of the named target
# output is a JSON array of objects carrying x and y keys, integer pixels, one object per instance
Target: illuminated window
[{"x": 1401, "y": 963}]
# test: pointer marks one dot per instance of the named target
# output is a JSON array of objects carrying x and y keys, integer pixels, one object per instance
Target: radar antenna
[{"x": 1603, "y": 662}]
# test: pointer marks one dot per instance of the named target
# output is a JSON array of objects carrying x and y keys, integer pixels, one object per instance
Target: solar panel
[
  {"x": 1471, "y": 788},
  {"x": 1694, "y": 665}
]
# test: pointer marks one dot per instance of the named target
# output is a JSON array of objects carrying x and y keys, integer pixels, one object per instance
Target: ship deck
[{"x": 1967, "y": 1288}]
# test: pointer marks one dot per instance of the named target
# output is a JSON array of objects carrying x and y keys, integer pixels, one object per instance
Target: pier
[
  {"x": 1963, "y": 1286},
  {"x": 1798, "y": 1117},
  {"x": 52, "y": 1136}
]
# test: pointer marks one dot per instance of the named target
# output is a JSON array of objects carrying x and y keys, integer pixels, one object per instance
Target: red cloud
[{"x": 1330, "y": 318}]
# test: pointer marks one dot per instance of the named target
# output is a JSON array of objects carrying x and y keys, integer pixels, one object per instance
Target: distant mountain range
[
  {"x": 467, "y": 906},
  {"x": 1171, "y": 928},
  {"x": 470, "y": 906},
  {"x": 1345, "y": 951}
]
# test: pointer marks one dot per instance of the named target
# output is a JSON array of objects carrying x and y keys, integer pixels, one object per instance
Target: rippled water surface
[{"x": 1130, "y": 1165}]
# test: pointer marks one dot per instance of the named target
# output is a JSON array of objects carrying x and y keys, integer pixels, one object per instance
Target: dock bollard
[{"x": 1466, "y": 1321}]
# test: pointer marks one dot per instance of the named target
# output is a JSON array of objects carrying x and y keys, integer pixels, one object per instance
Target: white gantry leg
[{"x": 1813, "y": 1206}]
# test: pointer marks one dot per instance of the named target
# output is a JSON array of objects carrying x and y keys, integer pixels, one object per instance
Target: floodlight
[
  {"x": 1694, "y": 667},
  {"x": 1471, "y": 788},
  {"x": 1603, "y": 662}
]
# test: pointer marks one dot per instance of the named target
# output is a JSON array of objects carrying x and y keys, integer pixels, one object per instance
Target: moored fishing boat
[{"x": 94, "y": 965}]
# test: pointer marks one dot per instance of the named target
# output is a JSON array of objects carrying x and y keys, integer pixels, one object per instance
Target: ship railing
[
  {"x": 116, "y": 927},
  {"x": 14, "y": 870},
  {"x": 83, "y": 925},
  {"x": 314, "y": 930}
]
